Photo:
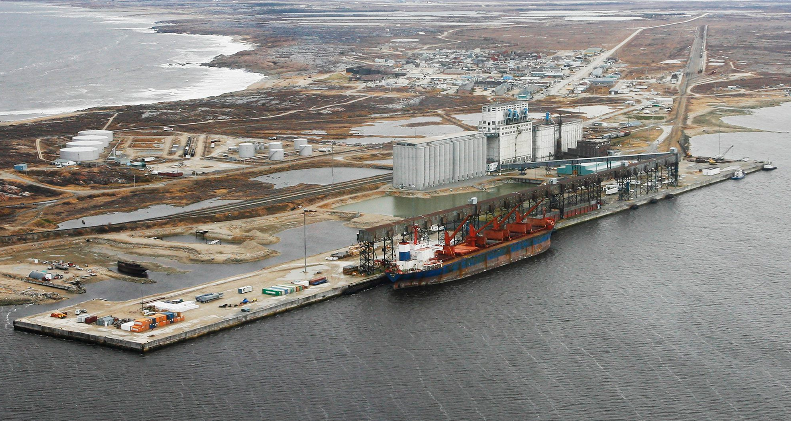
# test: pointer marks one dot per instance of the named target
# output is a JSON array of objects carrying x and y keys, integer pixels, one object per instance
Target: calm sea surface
[
  {"x": 56, "y": 59},
  {"x": 678, "y": 310}
]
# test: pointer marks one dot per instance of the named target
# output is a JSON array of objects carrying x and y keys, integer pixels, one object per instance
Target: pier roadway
[{"x": 214, "y": 213}]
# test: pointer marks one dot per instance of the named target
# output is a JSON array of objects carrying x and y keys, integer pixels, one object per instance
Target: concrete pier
[{"x": 210, "y": 318}]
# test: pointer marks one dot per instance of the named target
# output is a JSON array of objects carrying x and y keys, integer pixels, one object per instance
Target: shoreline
[{"x": 145, "y": 21}]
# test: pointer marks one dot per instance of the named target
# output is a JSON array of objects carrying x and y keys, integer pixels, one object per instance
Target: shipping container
[
  {"x": 127, "y": 326},
  {"x": 105, "y": 321},
  {"x": 288, "y": 288},
  {"x": 90, "y": 319},
  {"x": 273, "y": 292},
  {"x": 82, "y": 317},
  {"x": 245, "y": 289},
  {"x": 318, "y": 281}
]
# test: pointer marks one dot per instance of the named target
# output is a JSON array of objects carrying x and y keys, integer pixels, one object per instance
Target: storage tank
[
  {"x": 299, "y": 143},
  {"x": 86, "y": 143},
  {"x": 92, "y": 137},
  {"x": 276, "y": 154},
  {"x": 306, "y": 150},
  {"x": 274, "y": 145},
  {"x": 79, "y": 154},
  {"x": 246, "y": 150},
  {"x": 106, "y": 133}
]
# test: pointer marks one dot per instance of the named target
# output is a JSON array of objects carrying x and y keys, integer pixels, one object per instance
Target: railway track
[
  {"x": 229, "y": 208},
  {"x": 275, "y": 198}
]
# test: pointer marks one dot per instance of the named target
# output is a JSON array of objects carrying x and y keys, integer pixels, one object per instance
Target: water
[
  {"x": 406, "y": 207},
  {"x": 773, "y": 119},
  {"x": 321, "y": 176},
  {"x": 59, "y": 59},
  {"x": 673, "y": 311},
  {"x": 403, "y": 128},
  {"x": 153, "y": 211}
]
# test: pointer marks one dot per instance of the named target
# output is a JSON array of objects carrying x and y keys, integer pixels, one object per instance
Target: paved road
[
  {"x": 689, "y": 79},
  {"x": 600, "y": 59}
]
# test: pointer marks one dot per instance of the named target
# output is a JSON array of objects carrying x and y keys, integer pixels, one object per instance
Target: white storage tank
[
  {"x": 79, "y": 154},
  {"x": 306, "y": 150},
  {"x": 246, "y": 150},
  {"x": 85, "y": 143},
  {"x": 299, "y": 143},
  {"x": 274, "y": 145},
  {"x": 93, "y": 138},
  {"x": 106, "y": 133},
  {"x": 276, "y": 154}
]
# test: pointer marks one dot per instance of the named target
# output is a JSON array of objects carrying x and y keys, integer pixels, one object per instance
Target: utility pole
[{"x": 305, "y": 234}]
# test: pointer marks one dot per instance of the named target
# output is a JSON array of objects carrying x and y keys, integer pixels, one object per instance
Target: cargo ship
[
  {"x": 496, "y": 244},
  {"x": 132, "y": 268}
]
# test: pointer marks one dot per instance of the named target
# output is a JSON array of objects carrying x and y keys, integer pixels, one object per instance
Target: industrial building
[
  {"x": 507, "y": 136},
  {"x": 430, "y": 162},
  {"x": 508, "y": 132},
  {"x": 590, "y": 148},
  {"x": 551, "y": 140}
]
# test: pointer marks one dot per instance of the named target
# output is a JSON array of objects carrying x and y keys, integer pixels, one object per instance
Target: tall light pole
[{"x": 305, "y": 234}]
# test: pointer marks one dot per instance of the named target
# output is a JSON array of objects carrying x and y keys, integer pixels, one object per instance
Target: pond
[
  {"x": 139, "y": 214},
  {"x": 321, "y": 176}
]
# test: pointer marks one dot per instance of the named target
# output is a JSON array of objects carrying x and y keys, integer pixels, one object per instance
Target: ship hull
[
  {"x": 132, "y": 268},
  {"x": 480, "y": 261}
]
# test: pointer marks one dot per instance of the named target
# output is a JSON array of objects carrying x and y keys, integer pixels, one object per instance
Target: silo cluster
[{"x": 430, "y": 162}]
